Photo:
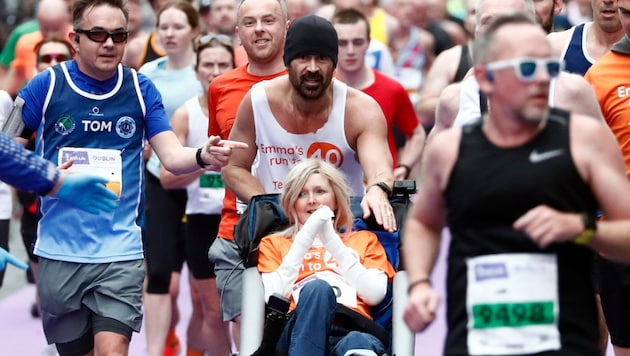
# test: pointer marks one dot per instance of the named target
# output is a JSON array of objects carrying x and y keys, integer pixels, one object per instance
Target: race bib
[
  {"x": 211, "y": 191},
  {"x": 512, "y": 304},
  {"x": 345, "y": 293},
  {"x": 105, "y": 163}
]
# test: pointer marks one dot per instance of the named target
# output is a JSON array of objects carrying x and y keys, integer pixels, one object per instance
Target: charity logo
[
  {"x": 65, "y": 124},
  {"x": 125, "y": 127}
]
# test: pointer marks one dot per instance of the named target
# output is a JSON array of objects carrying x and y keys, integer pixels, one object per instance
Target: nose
[
  {"x": 216, "y": 70},
  {"x": 258, "y": 25},
  {"x": 312, "y": 64}
]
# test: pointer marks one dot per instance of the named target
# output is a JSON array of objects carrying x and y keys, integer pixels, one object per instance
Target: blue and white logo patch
[{"x": 125, "y": 127}]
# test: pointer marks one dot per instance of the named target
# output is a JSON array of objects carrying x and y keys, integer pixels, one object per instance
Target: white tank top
[
  {"x": 205, "y": 195},
  {"x": 279, "y": 150}
]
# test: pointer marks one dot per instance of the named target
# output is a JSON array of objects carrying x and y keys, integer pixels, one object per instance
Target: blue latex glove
[
  {"x": 6, "y": 257},
  {"x": 87, "y": 192}
]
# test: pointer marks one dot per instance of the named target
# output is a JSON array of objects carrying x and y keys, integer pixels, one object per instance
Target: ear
[
  {"x": 74, "y": 40},
  {"x": 484, "y": 78},
  {"x": 558, "y": 7}
]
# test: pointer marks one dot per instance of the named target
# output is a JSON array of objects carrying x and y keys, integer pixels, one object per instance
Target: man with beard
[
  {"x": 308, "y": 114},
  {"x": 513, "y": 224}
]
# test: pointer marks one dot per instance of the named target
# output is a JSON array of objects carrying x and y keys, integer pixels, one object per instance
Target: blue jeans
[{"x": 310, "y": 330}]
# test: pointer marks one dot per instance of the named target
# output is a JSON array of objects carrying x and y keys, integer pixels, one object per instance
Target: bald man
[{"x": 53, "y": 18}]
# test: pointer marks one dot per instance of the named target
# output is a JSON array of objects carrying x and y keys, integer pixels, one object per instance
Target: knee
[
  {"x": 359, "y": 343},
  {"x": 318, "y": 290},
  {"x": 158, "y": 281}
]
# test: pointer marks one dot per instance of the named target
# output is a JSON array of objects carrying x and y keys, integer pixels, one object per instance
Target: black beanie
[{"x": 310, "y": 35}]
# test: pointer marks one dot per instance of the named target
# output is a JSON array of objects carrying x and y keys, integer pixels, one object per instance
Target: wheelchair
[{"x": 265, "y": 215}]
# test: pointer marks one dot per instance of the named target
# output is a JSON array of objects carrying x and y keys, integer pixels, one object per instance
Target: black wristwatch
[
  {"x": 384, "y": 187},
  {"x": 200, "y": 161}
]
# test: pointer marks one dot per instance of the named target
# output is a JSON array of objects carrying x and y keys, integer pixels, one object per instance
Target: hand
[
  {"x": 545, "y": 225},
  {"x": 216, "y": 152},
  {"x": 328, "y": 232},
  {"x": 87, "y": 192},
  {"x": 421, "y": 308},
  {"x": 316, "y": 221},
  {"x": 6, "y": 257},
  {"x": 376, "y": 202}
]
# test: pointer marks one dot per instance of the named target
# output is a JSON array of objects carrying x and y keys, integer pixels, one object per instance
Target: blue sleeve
[
  {"x": 25, "y": 170},
  {"x": 156, "y": 118},
  {"x": 34, "y": 95}
]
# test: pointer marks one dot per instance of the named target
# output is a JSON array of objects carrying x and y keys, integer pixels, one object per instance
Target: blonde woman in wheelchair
[{"x": 318, "y": 262}]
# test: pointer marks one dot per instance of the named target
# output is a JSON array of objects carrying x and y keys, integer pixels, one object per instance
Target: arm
[
  {"x": 6, "y": 257},
  {"x": 423, "y": 227},
  {"x": 411, "y": 153},
  {"x": 370, "y": 283},
  {"x": 574, "y": 93},
  {"x": 598, "y": 159},
  {"x": 446, "y": 111},
  {"x": 557, "y": 40},
  {"x": 133, "y": 52},
  {"x": 13, "y": 81},
  {"x": 407, "y": 121},
  {"x": 438, "y": 77},
  {"x": 367, "y": 128},
  {"x": 237, "y": 173},
  {"x": 179, "y": 122}
]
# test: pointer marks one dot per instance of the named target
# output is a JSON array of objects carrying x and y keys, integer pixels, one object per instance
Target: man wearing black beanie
[
  {"x": 311, "y": 35},
  {"x": 310, "y": 114}
]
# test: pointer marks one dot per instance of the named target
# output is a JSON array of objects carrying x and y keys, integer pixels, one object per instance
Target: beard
[{"x": 310, "y": 86}]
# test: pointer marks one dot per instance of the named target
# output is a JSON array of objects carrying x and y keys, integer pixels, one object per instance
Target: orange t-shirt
[
  {"x": 371, "y": 254},
  {"x": 25, "y": 60},
  {"x": 224, "y": 97},
  {"x": 610, "y": 80}
]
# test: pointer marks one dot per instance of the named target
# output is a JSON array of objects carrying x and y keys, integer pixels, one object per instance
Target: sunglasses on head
[
  {"x": 525, "y": 68},
  {"x": 59, "y": 57},
  {"x": 101, "y": 36},
  {"x": 222, "y": 39}
]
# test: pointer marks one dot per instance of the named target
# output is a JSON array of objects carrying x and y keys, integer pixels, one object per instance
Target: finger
[
  {"x": 366, "y": 209},
  {"x": 14, "y": 261},
  {"x": 104, "y": 204},
  {"x": 234, "y": 144},
  {"x": 67, "y": 164}
]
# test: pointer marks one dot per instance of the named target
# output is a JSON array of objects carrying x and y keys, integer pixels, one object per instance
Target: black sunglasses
[
  {"x": 101, "y": 36},
  {"x": 59, "y": 57}
]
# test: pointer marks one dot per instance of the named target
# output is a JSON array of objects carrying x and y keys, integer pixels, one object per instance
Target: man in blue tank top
[
  {"x": 99, "y": 114},
  {"x": 519, "y": 191}
]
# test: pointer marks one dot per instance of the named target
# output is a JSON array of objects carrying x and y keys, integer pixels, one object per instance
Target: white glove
[
  {"x": 315, "y": 222},
  {"x": 287, "y": 273}
]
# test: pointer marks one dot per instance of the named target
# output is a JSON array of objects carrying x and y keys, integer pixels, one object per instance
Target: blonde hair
[{"x": 296, "y": 179}]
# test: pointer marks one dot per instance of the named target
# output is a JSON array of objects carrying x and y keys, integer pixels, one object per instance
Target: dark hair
[
  {"x": 349, "y": 17},
  {"x": 54, "y": 39},
  {"x": 80, "y": 6},
  {"x": 184, "y": 6},
  {"x": 211, "y": 40}
]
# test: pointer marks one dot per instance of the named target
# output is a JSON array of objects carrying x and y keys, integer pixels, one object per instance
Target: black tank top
[
  {"x": 150, "y": 52},
  {"x": 489, "y": 188},
  {"x": 465, "y": 63}
]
